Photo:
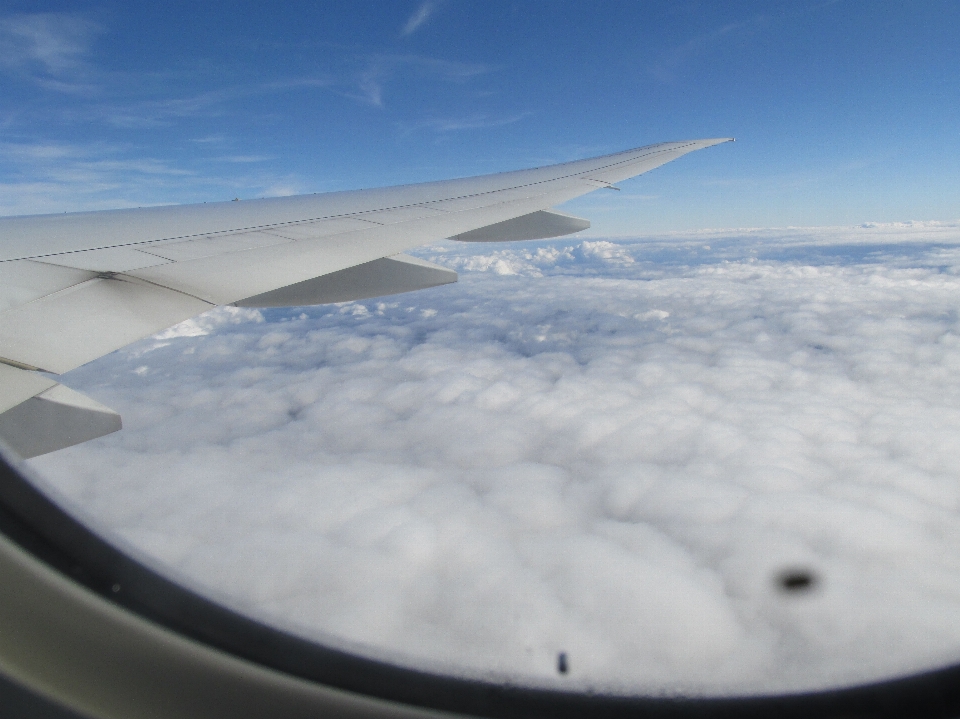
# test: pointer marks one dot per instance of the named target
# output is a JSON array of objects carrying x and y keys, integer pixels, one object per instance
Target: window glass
[{"x": 713, "y": 462}]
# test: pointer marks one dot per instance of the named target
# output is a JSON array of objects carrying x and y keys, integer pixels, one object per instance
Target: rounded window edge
[{"x": 34, "y": 523}]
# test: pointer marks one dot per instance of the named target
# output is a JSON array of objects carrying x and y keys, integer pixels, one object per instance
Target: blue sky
[{"x": 844, "y": 112}]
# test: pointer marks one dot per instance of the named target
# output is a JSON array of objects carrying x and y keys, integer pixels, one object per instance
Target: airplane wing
[{"x": 74, "y": 287}]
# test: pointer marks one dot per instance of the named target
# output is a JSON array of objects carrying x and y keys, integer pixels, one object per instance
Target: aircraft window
[
  {"x": 707, "y": 473},
  {"x": 719, "y": 464}
]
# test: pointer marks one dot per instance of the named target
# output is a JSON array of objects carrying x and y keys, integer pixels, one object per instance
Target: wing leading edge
[{"x": 74, "y": 287}]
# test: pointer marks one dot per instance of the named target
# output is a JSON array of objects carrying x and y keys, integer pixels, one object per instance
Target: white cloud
[
  {"x": 208, "y": 322},
  {"x": 419, "y": 17},
  {"x": 607, "y": 448}
]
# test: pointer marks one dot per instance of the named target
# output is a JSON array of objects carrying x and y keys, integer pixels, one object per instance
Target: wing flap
[
  {"x": 54, "y": 419},
  {"x": 23, "y": 281}
]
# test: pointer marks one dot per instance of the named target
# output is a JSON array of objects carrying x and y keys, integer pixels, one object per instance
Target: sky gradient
[{"x": 844, "y": 112}]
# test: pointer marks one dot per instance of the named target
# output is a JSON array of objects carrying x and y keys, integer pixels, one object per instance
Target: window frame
[{"x": 189, "y": 656}]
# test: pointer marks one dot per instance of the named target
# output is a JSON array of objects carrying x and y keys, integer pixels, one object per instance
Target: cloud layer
[{"x": 612, "y": 449}]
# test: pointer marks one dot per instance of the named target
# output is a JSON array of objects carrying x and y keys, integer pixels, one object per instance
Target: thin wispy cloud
[
  {"x": 244, "y": 159},
  {"x": 97, "y": 163},
  {"x": 471, "y": 122},
  {"x": 51, "y": 48},
  {"x": 379, "y": 70},
  {"x": 155, "y": 112},
  {"x": 370, "y": 86},
  {"x": 57, "y": 42},
  {"x": 44, "y": 177},
  {"x": 56, "y": 53},
  {"x": 209, "y": 139},
  {"x": 667, "y": 67},
  {"x": 281, "y": 189},
  {"x": 419, "y": 17}
]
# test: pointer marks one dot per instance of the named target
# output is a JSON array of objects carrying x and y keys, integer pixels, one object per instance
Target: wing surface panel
[
  {"x": 66, "y": 329},
  {"x": 184, "y": 250},
  {"x": 109, "y": 259},
  {"x": 23, "y": 281},
  {"x": 399, "y": 214},
  {"x": 320, "y": 228}
]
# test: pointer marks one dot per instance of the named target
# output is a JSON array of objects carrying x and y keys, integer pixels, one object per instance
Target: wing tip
[{"x": 717, "y": 141}]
